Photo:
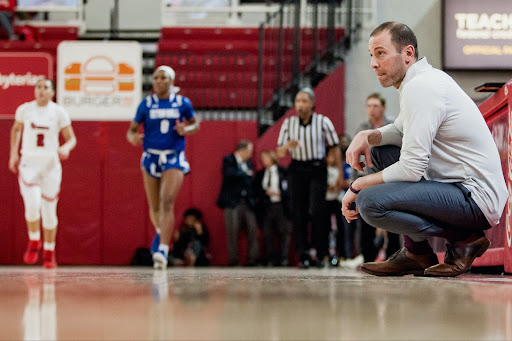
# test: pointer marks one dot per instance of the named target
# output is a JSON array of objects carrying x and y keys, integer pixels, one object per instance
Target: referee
[{"x": 307, "y": 136}]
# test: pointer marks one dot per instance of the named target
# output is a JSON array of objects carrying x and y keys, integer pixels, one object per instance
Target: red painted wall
[{"x": 102, "y": 210}]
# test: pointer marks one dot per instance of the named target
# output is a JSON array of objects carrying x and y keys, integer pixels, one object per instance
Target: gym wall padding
[
  {"x": 102, "y": 211},
  {"x": 497, "y": 111}
]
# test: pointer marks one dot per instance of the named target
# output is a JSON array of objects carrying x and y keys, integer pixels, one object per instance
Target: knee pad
[
  {"x": 49, "y": 214},
  {"x": 32, "y": 201},
  {"x": 32, "y": 212}
]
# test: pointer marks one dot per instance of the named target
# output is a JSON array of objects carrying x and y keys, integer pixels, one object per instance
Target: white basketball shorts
[{"x": 43, "y": 171}]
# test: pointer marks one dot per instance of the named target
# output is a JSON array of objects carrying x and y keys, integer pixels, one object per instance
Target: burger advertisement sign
[{"x": 99, "y": 80}]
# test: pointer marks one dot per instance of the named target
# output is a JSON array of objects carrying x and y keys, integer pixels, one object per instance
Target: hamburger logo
[{"x": 99, "y": 75}]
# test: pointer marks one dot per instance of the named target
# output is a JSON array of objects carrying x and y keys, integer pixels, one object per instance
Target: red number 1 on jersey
[{"x": 40, "y": 140}]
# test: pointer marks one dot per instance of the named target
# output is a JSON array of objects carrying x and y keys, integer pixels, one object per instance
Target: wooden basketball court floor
[{"x": 126, "y": 303}]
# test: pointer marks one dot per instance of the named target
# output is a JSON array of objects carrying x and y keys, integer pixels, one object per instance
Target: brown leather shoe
[
  {"x": 458, "y": 258},
  {"x": 401, "y": 263}
]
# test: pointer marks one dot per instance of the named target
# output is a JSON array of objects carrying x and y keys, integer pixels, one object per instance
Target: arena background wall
[
  {"x": 103, "y": 215},
  {"x": 102, "y": 210}
]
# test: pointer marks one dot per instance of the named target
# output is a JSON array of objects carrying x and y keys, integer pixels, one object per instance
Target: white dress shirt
[
  {"x": 445, "y": 138},
  {"x": 271, "y": 181},
  {"x": 242, "y": 164}
]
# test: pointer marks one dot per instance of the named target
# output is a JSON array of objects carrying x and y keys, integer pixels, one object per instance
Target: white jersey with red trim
[{"x": 41, "y": 127}]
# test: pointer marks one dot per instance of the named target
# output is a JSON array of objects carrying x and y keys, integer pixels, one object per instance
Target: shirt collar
[
  {"x": 238, "y": 158},
  {"x": 310, "y": 120},
  {"x": 420, "y": 66}
]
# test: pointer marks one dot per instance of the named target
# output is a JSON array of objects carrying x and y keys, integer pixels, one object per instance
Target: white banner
[{"x": 99, "y": 81}]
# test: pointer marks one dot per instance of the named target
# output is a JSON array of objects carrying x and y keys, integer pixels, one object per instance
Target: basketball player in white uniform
[{"x": 37, "y": 126}]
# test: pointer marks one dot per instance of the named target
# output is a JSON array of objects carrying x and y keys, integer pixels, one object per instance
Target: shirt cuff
[{"x": 390, "y": 135}]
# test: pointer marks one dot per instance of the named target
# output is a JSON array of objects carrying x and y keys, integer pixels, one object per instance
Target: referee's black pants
[{"x": 307, "y": 185}]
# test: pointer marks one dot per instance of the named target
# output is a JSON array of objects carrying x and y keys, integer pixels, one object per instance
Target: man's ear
[{"x": 408, "y": 52}]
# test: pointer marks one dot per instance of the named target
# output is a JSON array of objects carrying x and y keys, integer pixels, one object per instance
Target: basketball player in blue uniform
[{"x": 167, "y": 118}]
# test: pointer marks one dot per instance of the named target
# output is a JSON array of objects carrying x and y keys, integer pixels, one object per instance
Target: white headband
[{"x": 168, "y": 70}]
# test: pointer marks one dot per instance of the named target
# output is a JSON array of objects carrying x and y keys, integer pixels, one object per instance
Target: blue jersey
[{"x": 159, "y": 118}]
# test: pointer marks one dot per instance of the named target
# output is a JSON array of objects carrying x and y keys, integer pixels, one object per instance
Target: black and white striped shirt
[{"x": 312, "y": 138}]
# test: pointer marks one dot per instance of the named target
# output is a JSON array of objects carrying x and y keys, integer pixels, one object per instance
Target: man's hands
[
  {"x": 359, "y": 146},
  {"x": 349, "y": 211}
]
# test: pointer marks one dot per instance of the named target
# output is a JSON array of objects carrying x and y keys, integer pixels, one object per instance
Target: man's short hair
[
  {"x": 378, "y": 96},
  {"x": 401, "y": 35},
  {"x": 242, "y": 144}
]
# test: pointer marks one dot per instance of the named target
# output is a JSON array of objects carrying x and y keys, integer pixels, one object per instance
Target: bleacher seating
[
  {"x": 44, "y": 33},
  {"x": 218, "y": 67},
  {"x": 40, "y": 39}
]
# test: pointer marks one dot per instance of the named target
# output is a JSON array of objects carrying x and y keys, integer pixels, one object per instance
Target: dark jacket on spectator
[{"x": 236, "y": 184}]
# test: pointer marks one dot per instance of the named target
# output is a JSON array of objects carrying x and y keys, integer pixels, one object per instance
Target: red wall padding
[{"x": 102, "y": 210}]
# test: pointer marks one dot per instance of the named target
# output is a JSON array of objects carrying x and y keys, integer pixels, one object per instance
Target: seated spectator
[
  {"x": 191, "y": 241},
  {"x": 7, "y": 8}
]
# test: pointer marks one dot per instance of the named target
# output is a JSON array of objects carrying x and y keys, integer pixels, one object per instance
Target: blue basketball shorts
[{"x": 157, "y": 161}]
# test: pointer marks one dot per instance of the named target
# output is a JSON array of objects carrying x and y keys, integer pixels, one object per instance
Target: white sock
[
  {"x": 49, "y": 246},
  {"x": 164, "y": 248},
  {"x": 34, "y": 235},
  {"x": 157, "y": 230}
]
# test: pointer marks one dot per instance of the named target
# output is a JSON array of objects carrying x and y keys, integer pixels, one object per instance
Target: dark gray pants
[
  {"x": 419, "y": 209},
  {"x": 241, "y": 216},
  {"x": 275, "y": 222}
]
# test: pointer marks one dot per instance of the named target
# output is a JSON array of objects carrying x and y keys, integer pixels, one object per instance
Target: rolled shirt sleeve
[{"x": 390, "y": 135}]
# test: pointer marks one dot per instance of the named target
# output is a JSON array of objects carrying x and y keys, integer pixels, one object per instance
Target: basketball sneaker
[
  {"x": 159, "y": 260},
  {"x": 155, "y": 243},
  {"x": 32, "y": 254},
  {"x": 49, "y": 261}
]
